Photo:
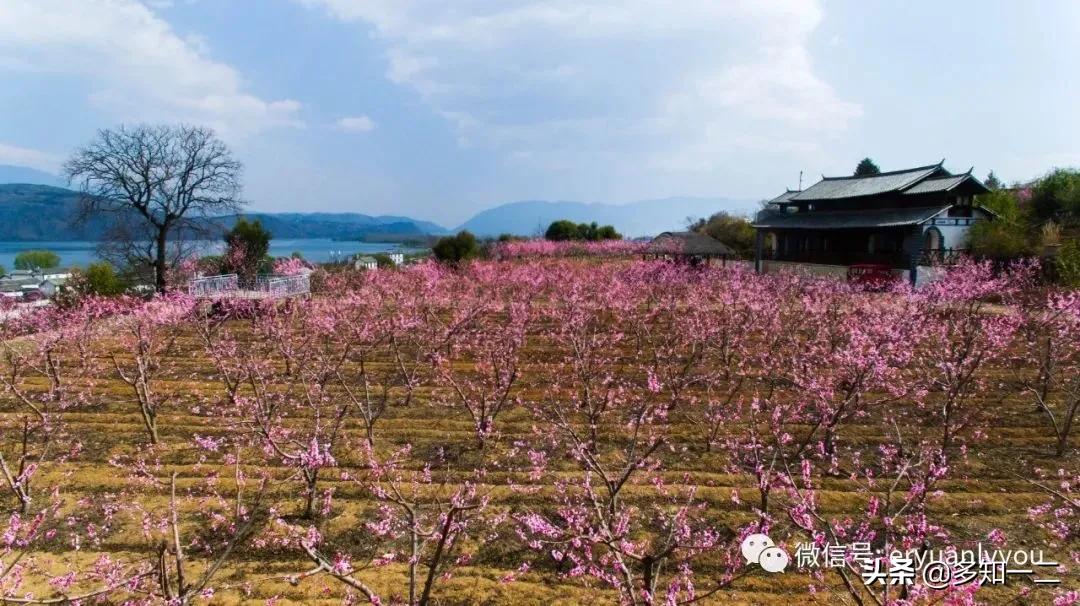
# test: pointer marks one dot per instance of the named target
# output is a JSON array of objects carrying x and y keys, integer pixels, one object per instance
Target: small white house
[
  {"x": 29, "y": 284},
  {"x": 365, "y": 263},
  {"x": 18, "y": 287},
  {"x": 10, "y": 291},
  {"x": 397, "y": 258},
  {"x": 49, "y": 288}
]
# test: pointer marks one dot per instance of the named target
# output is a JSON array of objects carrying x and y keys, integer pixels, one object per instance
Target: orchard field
[{"x": 553, "y": 431}]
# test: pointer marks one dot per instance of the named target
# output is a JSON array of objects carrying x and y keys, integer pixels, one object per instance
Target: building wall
[
  {"x": 954, "y": 230},
  {"x": 952, "y": 236}
]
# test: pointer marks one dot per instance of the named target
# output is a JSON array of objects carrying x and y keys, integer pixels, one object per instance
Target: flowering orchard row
[
  {"x": 539, "y": 248},
  {"x": 610, "y": 431}
]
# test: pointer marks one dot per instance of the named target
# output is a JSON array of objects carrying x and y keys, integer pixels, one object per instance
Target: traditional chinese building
[{"x": 897, "y": 220}]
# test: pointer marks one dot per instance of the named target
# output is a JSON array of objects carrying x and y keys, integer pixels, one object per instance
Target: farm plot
[{"x": 563, "y": 431}]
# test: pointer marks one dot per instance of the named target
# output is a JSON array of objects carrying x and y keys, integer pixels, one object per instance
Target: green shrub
[
  {"x": 1068, "y": 264},
  {"x": 563, "y": 230},
  {"x": 102, "y": 279},
  {"x": 383, "y": 261},
  {"x": 455, "y": 249},
  {"x": 734, "y": 231},
  {"x": 247, "y": 245},
  {"x": 98, "y": 279},
  {"x": 1004, "y": 204},
  {"x": 1001, "y": 239},
  {"x": 1010, "y": 235},
  {"x": 37, "y": 259},
  {"x": 1057, "y": 197}
]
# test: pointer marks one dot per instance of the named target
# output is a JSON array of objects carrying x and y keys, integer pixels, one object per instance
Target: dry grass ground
[{"x": 995, "y": 495}]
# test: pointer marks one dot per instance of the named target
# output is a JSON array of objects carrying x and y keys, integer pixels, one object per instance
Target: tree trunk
[
  {"x": 649, "y": 578},
  {"x": 830, "y": 440},
  {"x": 414, "y": 553},
  {"x": 436, "y": 558},
  {"x": 149, "y": 416},
  {"x": 369, "y": 433},
  {"x": 1066, "y": 429},
  {"x": 159, "y": 260},
  {"x": 312, "y": 483}
]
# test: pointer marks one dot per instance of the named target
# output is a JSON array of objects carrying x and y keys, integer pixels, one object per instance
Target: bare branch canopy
[{"x": 155, "y": 183}]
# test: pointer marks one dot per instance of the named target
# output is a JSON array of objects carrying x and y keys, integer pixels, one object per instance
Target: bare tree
[{"x": 157, "y": 184}]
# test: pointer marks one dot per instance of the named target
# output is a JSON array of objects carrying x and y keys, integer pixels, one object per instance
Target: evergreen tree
[
  {"x": 247, "y": 244},
  {"x": 867, "y": 167},
  {"x": 992, "y": 182},
  {"x": 455, "y": 249}
]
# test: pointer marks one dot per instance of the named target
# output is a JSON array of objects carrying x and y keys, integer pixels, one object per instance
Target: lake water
[{"x": 82, "y": 253}]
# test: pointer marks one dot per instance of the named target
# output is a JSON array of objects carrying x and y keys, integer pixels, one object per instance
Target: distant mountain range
[
  {"x": 647, "y": 217},
  {"x": 42, "y": 212},
  {"x": 35, "y": 207}
]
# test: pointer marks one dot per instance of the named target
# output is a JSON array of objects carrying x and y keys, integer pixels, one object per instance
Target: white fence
[
  {"x": 265, "y": 287},
  {"x": 208, "y": 287},
  {"x": 284, "y": 286}
]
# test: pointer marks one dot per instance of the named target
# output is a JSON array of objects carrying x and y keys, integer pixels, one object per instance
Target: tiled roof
[
  {"x": 831, "y": 188},
  {"x": 688, "y": 243},
  {"x": 938, "y": 184},
  {"x": 784, "y": 197},
  {"x": 847, "y": 219}
]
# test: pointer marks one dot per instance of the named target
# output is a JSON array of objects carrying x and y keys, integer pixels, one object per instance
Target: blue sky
[{"x": 440, "y": 109}]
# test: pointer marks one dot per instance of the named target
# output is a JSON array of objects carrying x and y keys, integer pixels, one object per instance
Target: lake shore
[{"x": 80, "y": 253}]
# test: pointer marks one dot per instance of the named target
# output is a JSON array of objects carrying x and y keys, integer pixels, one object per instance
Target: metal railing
[
  {"x": 214, "y": 286},
  {"x": 284, "y": 286},
  {"x": 229, "y": 285},
  {"x": 940, "y": 257}
]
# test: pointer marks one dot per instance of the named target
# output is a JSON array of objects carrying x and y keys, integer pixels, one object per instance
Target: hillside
[
  {"x": 41, "y": 212},
  {"x": 643, "y": 218}
]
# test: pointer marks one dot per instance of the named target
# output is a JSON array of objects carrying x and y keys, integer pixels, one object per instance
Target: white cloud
[
  {"x": 24, "y": 156},
  {"x": 681, "y": 85},
  {"x": 356, "y": 124},
  {"x": 137, "y": 68}
]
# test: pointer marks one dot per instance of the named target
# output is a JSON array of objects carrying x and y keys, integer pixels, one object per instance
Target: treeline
[
  {"x": 1038, "y": 219},
  {"x": 563, "y": 230},
  {"x": 464, "y": 245},
  {"x": 735, "y": 231}
]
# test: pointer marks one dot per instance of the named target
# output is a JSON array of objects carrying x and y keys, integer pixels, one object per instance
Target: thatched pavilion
[{"x": 690, "y": 247}]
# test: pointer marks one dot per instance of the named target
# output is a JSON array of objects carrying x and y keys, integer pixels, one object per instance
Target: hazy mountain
[
  {"x": 42, "y": 212},
  {"x": 647, "y": 217},
  {"x": 22, "y": 174},
  {"x": 32, "y": 208},
  {"x": 353, "y": 219}
]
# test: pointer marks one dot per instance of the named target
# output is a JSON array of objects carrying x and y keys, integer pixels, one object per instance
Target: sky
[{"x": 437, "y": 110}]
